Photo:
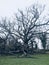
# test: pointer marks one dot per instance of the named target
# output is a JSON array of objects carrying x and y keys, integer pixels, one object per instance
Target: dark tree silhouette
[{"x": 26, "y": 26}]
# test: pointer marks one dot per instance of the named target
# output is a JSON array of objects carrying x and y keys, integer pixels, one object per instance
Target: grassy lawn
[{"x": 35, "y": 60}]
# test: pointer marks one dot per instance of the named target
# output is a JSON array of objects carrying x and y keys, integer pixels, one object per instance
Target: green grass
[{"x": 42, "y": 59}]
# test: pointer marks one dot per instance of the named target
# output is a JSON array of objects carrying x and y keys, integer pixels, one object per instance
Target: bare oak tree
[{"x": 27, "y": 25}]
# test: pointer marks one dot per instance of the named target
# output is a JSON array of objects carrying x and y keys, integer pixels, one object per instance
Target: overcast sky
[{"x": 9, "y": 7}]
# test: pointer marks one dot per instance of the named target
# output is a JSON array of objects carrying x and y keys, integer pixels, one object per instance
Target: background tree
[{"x": 6, "y": 27}]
